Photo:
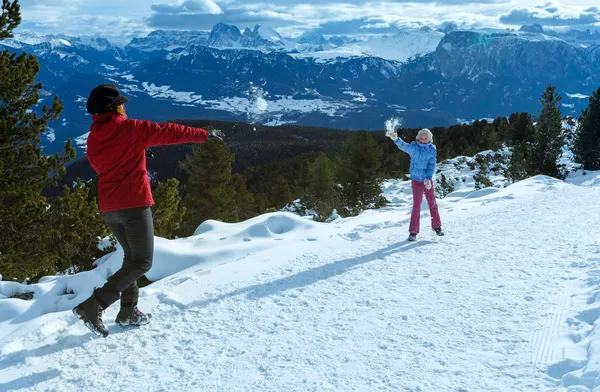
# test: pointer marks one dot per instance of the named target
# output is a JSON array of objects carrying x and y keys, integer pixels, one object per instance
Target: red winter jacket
[{"x": 116, "y": 149}]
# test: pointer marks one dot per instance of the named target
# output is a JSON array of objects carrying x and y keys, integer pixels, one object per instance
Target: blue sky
[{"x": 127, "y": 18}]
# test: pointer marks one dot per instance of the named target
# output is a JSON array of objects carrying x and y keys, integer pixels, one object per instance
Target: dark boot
[
  {"x": 132, "y": 316},
  {"x": 439, "y": 231},
  {"x": 90, "y": 311},
  {"x": 412, "y": 237}
]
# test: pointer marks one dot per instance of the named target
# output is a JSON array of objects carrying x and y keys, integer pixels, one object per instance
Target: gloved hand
[
  {"x": 215, "y": 134},
  {"x": 427, "y": 183},
  {"x": 391, "y": 134}
]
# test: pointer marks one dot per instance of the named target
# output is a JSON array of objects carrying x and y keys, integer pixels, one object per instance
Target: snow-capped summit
[
  {"x": 261, "y": 37},
  {"x": 267, "y": 33},
  {"x": 169, "y": 40},
  {"x": 224, "y": 35},
  {"x": 534, "y": 28},
  {"x": 57, "y": 41},
  {"x": 312, "y": 37},
  {"x": 400, "y": 46},
  {"x": 27, "y": 37},
  {"x": 96, "y": 43},
  {"x": 448, "y": 27}
]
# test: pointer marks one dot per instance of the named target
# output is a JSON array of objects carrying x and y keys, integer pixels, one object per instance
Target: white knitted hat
[{"x": 427, "y": 132}]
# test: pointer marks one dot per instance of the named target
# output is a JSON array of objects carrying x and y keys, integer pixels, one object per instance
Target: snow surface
[
  {"x": 269, "y": 34},
  {"x": 165, "y": 92},
  {"x": 399, "y": 47},
  {"x": 81, "y": 141},
  {"x": 278, "y": 121},
  {"x": 254, "y": 106},
  {"x": 508, "y": 300},
  {"x": 50, "y": 134},
  {"x": 29, "y": 37},
  {"x": 577, "y": 95},
  {"x": 108, "y": 67},
  {"x": 90, "y": 41}
]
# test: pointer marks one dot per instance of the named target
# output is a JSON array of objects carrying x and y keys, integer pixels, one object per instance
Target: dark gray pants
[{"x": 134, "y": 230}]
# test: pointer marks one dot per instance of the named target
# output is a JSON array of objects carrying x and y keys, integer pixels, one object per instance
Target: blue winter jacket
[{"x": 423, "y": 158}]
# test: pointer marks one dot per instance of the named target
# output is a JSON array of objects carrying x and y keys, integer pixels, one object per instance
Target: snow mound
[{"x": 263, "y": 226}]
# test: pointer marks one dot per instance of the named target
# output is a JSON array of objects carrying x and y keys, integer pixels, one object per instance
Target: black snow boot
[
  {"x": 90, "y": 312},
  {"x": 412, "y": 237},
  {"x": 132, "y": 316},
  {"x": 439, "y": 231}
]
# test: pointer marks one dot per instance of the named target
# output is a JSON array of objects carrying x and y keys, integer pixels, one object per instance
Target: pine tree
[
  {"x": 549, "y": 135},
  {"x": 322, "y": 195},
  {"x": 481, "y": 177},
  {"x": 209, "y": 193},
  {"x": 262, "y": 202},
  {"x": 502, "y": 129},
  {"x": 10, "y": 18},
  {"x": 78, "y": 227},
  {"x": 281, "y": 192},
  {"x": 586, "y": 145},
  {"x": 26, "y": 244},
  {"x": 520, "y": 165},
  {"x": 489, "y": 138},
  {"x": 463, "y": 146},
  {"x": 444, "y": 188},
  {"x": 168, "y": 210},
  {"x": 446, "y": 152},
  {"x": 359, "y": 173},
  {"x": 520, "y": 128},
  {"x": 392, "y": 164},
  {"x": 304, "y": 179},
  {"x": 244, "y": 199}
]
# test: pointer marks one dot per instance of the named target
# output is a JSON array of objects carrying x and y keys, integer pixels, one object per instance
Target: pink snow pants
[{"x": 418, "y": 188}]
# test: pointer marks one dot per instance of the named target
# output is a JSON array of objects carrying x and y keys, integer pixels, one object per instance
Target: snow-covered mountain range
[{"x": 428, "y": 77}]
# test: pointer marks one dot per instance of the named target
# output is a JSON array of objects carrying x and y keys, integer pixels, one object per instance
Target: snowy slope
[
  {"x": 506, "y": 301},
  {"x": 268, "y": 34},
  {"x": 399, "y": 47},
  {"x": 25, "y": 37}
]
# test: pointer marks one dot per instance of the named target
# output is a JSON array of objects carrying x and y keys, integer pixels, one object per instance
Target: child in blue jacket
[{"x": 423, "y": 156}]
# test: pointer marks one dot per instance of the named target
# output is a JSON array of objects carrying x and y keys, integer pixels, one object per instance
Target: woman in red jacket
[{"x": 116, "y": 150}]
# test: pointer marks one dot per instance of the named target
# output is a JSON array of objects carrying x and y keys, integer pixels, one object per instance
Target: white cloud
[
  {"x": 188, "y": 6},
  {"x": 291, "y": 17},
  {"x": 551, "y": 15},
  {"x": 116, "y": 19},
  {"x": 376, "y": 26}
]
